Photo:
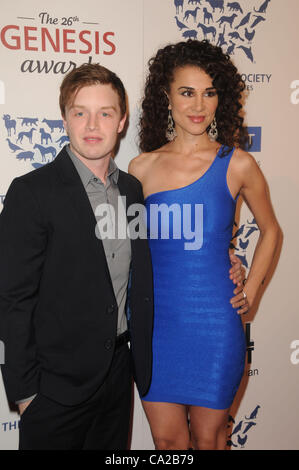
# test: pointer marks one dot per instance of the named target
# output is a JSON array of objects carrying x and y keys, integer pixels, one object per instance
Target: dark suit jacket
[{"x": 58, "y": 312}]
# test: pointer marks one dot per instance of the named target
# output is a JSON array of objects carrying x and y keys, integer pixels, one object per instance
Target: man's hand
[
  {"x": 237, "y": 275},
  {"x": 237, "y": 271},
  {"x": 23, "y": 406}
]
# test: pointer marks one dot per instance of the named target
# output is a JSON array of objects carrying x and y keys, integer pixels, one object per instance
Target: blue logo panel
[{"x": 255, "y": 139}]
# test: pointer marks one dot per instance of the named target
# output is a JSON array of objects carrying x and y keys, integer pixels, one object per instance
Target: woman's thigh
[
  {"x": 169, "y": 424},
  {"x": 208, "y": 427}
]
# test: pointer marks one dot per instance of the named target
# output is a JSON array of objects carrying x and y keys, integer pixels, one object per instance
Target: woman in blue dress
[{"x": 192, "y": 171}]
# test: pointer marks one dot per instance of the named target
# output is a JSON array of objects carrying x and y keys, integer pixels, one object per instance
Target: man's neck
[{"x": 99, "y": 167}]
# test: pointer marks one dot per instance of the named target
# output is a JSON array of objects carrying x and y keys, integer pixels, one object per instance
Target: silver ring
[{"x": 244, "y": 295}]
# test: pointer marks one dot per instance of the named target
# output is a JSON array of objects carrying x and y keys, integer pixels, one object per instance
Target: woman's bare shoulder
[
  {"x": 140, "y": 164},
  {"x": 243, "y": 161}
]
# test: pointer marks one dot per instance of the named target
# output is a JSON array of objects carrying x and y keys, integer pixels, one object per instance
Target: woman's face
[{"x": 193, "y": 100}]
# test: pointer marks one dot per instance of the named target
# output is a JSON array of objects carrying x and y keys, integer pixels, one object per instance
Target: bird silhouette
[
  {"x": 243, "y": 245},
  {"x": 243, "y": 260},
  {"x": 239, "y": 231},
  {"x": 241, "y": 440},
  {"x": 244, "y": 21},
  {"x": 249, "y": 35},
  {"x": 230, "y": 443},
  {"x": 237, "y": 429},
  {"x": 250, "y": 231},
  {"x": 248, "y": 427},
  {"x": 13, "y": 147},
  {"x": 254, "y": 413},
  {"x": 179, "y": 24},
  {"x": 257, "y": 21},
  {"x": 247, "y": 51}
]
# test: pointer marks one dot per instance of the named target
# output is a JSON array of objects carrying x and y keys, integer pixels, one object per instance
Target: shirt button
[
  {"x": 147, "y": 299},
  {"x": 110, "y": 309},
  {"x": 108, "y": 344}
]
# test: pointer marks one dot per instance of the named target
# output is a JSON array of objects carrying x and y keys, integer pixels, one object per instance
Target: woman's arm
[{"x": 255, "y": 193}]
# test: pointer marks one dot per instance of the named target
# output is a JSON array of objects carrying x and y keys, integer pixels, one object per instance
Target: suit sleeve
[{"x": 22, "y": 251}]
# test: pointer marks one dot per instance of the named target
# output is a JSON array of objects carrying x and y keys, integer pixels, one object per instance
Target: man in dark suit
[{"x": 63, "y": 283}]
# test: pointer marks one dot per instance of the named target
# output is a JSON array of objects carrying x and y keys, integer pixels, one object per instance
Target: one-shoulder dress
[{"x": 198, "y": 338}]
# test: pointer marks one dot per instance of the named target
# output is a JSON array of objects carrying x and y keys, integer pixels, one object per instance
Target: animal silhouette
[
  {"x": 250, "y": 231},
  {"x": 25, "y": 156},
  {"x": 62, "y": 140},
  {"x": 216, "y": 4},
  {"x": 178, "y": 4},
  {"x": 28, "y": 135},
  {"x": 28, "y": 121},
  {"x": 249, "y": 425},
  {"x": 243, "y": 245},
  {"x": 263, "y": 7},
  {"x": 247, "y": 51},
  {"x": 179, "y": 24},
  {"x": 235, "y": 35},
  {"x": 257, "y": 21},
  {"x": 242, "y": 440},
  {"x": 54, "y": 124},
  {"x": 207, "y": 30},
  {"x": 243, "y": 260},
  {"x": 191, "y": 13},
  {"x": 237, "y": 429},
  {"x": 244, "y": 21},
  {"x": 207, "y": 16},
  {"x": 231, "y": 48},
  {"x": 190, "y": 34},
  {"x": 13, "y": 147},
  {"x": 9, "y": 124},
  {"x": 234, "y": 6},
  {"x": 230, "y": 443},
  {"x": 249, "y": 35},
  {"x": 254, "y": 413},
  {"x": 45, "y": 151},
  {"x": 227, "y": 19},
  {"x": 239, "y": 231},
  {"x": 44, "y": 136},
  {"x": 221, "y": 40}
]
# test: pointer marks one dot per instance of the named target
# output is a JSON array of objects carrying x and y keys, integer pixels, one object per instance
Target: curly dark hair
[{"x": 225, "y": 77}]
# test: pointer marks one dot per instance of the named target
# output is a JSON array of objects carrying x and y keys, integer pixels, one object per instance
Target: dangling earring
[
  {"x": 170, "y": 132},
  {"x": 213, "y": 132}
]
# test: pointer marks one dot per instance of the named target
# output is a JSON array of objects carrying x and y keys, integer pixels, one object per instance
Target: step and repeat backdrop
[{"x": 40, "y": 41}]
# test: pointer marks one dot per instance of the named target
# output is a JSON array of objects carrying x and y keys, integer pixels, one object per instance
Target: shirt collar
[{"x": 86, "y": 174}]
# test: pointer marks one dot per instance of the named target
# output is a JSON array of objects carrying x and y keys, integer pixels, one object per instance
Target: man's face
[{"x": 93, "y": 121}]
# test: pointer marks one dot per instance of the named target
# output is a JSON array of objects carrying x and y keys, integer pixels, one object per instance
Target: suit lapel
[{"x": 76, "y": 193}]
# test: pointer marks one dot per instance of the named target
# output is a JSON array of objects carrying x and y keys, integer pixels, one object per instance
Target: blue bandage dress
[{"x": 198, "y": 338}]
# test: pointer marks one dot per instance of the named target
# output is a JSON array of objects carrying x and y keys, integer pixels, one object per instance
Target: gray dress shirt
[{"x": 105, "y": 200}]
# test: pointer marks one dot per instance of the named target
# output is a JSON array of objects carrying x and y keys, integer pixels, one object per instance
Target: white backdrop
[{"x": 42, "y": 40}]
